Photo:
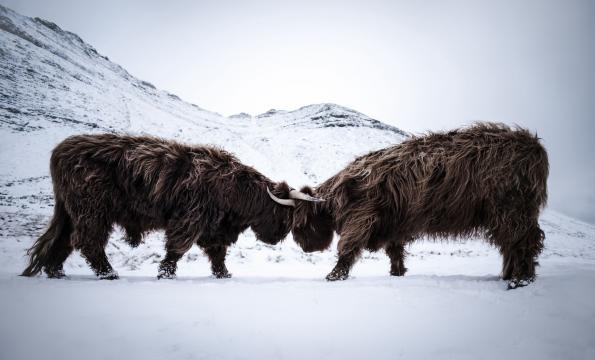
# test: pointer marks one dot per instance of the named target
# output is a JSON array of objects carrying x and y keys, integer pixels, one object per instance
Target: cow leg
[
  {"x": 353, "y": 239},
  {"x": 169, "y": 265},
  {"x": 350, "y": 248},
  {"x": 520, "y": 244},
  {"x": 520, "y": 256},
  {"x": 177, "y": 244},
  {"x": 396, "y": 252},
  {"x": 59, "y": 252},
  {"x": 215, "y": 246},
  {"x": 344, "y": 265},
  {"x": 91, "y": 244},
  {"x": 217, "y": 257},
  {"x": 98, "y": 261}
]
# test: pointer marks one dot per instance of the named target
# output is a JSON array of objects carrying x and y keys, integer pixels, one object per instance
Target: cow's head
[
  {"x": 277, "y": 221},
  {"x": 312, "y": 224}
]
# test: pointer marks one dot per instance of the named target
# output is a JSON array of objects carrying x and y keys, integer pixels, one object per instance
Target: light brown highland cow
[{"x": 488, "y": 179}]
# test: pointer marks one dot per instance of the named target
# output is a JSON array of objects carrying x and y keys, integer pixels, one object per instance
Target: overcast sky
[{"x": 419, "y": 65}]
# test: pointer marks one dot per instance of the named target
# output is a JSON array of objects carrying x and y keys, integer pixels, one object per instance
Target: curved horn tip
[
  {"x": 285, "y": 202},
  {"x": 295, "y": 194}
]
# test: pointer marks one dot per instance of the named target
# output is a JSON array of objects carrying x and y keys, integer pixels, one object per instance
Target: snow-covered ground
[{"x": 451, "y": 304}]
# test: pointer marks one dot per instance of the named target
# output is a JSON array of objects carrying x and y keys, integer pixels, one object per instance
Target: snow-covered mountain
[{"x": 53, "y": 84}]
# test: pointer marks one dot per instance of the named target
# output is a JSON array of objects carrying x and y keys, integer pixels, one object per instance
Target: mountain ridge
[
  {"x": 27, "y": 29},
  {"x": 54, "y": 82}
]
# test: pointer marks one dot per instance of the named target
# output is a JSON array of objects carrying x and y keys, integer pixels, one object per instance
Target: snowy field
[{"x": 450, "y": 305}]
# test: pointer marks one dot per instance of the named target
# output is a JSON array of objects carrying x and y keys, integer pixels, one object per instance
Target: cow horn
[
  {"x": 294, "y": 194},
  {"x": 286, "y": 202}
]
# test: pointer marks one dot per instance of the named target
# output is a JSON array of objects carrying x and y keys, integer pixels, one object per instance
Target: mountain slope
[{"x": 54, "y": 82}]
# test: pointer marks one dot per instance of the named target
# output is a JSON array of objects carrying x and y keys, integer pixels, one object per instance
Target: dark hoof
[
  {"x": 222, "y": 275},
  {"x": 109, "y": 276},
  {"x": 398, "y": 272},
  {"x": 518, "y": 283},
  {"x": 167, "y": 270},
  {"x": 337, "y": 275},
  {"x": 166, "y": 275},
  {"x": 55, "y": 274}
]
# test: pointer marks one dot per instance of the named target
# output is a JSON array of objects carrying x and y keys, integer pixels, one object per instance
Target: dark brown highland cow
[
  {"x": 486, "y": 179},
  {"x": 198, "y": 194}
]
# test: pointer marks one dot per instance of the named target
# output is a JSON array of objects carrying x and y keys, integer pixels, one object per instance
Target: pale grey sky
[{"x": 419, "y": 65}]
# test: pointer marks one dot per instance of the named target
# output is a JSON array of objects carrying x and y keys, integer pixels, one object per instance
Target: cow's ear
[
  {"x": 282, "y": 190},
  {"x": 307, "y": 190}
]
